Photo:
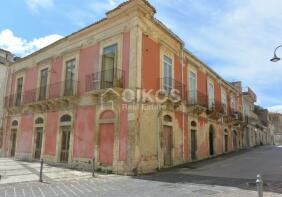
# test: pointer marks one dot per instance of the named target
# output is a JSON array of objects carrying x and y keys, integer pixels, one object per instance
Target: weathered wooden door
[
  {"x": 167, "y": 142},
  {"x": 38, "y": 142},
  {"x": 106, "y": 141},
  {"x": 226, "y": 143},
  {"x": 211, "y": 142},
  {"x": 235, "y": 141},
  {"x": 65, "y": 144},
  {"x": 13, "y": 142},
  {"x": 193, "y": 144}
]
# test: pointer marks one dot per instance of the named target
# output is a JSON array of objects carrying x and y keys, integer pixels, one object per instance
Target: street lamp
[{"x": 275, "y": 58}]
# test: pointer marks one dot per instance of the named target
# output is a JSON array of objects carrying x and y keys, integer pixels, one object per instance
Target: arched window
[
  {"x": 167, "y": 118},
  {"x": 193, "y": 124},
  {"x": 39, "y": 121},
  {"x": 15, "y": 123},
  {"x": 65, "y": 118}
]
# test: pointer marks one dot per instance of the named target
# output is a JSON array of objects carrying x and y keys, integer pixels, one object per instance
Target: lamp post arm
[{"x": 277, "y": 48}]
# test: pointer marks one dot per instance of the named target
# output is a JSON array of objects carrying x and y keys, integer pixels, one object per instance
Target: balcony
[
  {"x": 101, "y": 81},
  {"x": 215, "y": 109},
  {"x": 43, "y": 95},
  {"x": 235, "y": 117},
  {"x": 172, "y": 88},
  {"x": 197, "y": 102}
]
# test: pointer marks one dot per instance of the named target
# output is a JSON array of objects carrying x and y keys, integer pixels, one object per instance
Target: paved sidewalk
[
  {"x": 228, "y": 176},
  {"x": 120, "y": 186},
  {"x": 18, "y": 171}
]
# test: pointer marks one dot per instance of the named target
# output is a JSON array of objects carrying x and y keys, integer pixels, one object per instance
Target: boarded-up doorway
[
  {"x": 106, "y": 141},
  {"x": 106, "y": 138},
  {"x": 167, "y": 140},
  {"x": 167, "y": 132}
]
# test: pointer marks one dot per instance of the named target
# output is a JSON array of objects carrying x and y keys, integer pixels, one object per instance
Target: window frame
[
  {"x": 66, "y": 58},
  {"x": 167, "y": 80},
  {"x": 224, "y": 95},
  {"x": 195, "y": 99},
  {"x": 211, "y": 105},
  {"x": 39, "y": 82},
  {"x": 16, "y": 89}
]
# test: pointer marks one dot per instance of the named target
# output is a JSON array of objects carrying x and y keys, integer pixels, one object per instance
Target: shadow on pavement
[{"x": 176, "y": 175}]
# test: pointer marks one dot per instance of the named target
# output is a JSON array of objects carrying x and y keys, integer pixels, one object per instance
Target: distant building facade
[
  {"x": 258, "y": 129},
  {"x": 6, "y": 58},
  {"x": 276, "y": 120},
  {"x": 82, "y": 97}
]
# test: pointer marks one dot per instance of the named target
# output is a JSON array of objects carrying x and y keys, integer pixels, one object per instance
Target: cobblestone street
[{"x": 207, "y": 178}]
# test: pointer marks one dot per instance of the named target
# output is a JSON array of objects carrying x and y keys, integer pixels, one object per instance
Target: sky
[{"x": 235, "y": 38}]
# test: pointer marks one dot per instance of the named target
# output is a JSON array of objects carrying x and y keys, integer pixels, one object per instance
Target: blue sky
[{"x": 236, "y": 38}]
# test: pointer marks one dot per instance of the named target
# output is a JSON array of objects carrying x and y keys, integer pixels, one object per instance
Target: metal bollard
[
  {"x": 41, "y": 170},
  {"x": 259, "y": 186},
  {"x": 93, "y": 167}
]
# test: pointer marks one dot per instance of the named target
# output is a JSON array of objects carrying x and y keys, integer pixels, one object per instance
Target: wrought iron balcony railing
[
  {"x": 196, "y": 98},
  {"x": 237, "y": 115},
  {"x": 172, "y": 86},
  {"x": 111, "y": 78},
  {"x": 51, "y": 91}
]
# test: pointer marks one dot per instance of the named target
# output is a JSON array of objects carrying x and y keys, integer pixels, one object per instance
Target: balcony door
[
  {"x": 211, "y": 95},
  {"x": 192, "y": 88},
  {"x": 70, "y": 78},
  {"x": 19, "y": 91},
  {"x": 108, "y": 68},
  {"x": 43, "y": 84},
  {"x": 167, "y": 73}
]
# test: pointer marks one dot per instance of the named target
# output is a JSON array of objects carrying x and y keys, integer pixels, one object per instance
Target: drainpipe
[
  {"x": 158, "y": 138},
  {"x": 182, "y": 80}
]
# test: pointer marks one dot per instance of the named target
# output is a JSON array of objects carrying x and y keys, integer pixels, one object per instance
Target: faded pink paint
[
  {"x": 84, "y": 132},
  {"x": 108, "y": 114},
  {"x": 56, "y": 77},
  {"x": 30, "y": 84},
  {"x": 51, "y": 133},
  {"x": 123, "y": 133},
  {"x": 106, "y": 144},
  {"x": 25, "y": 134},
  {"x": 125, "y": 57},
  {"x": 88, "y": 64},
  {"x": 30, "y": 78}
]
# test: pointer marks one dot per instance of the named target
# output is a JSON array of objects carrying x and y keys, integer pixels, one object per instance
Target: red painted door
[{"x": 106, "y": 141}]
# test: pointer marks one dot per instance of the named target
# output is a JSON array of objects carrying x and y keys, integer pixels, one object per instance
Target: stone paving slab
[
  {"x": 119, "y": 186},
  {"x": 13, "y": 171}
]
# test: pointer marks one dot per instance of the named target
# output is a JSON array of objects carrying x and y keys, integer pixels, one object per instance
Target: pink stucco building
[{"x": 79, "y": 99}]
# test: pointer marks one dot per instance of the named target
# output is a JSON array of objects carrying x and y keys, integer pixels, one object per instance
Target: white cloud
[
  {"x": 236, "y": 38},
  {"x": 276, "y": 109},
  {"x": 23, "y": 47},
  {"x": 34, "y": 5}
]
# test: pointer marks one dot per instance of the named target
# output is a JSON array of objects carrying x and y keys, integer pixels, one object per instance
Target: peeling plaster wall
[
  {"x": 84, "y": 132},
  {"x": 51, "y": 133}
]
